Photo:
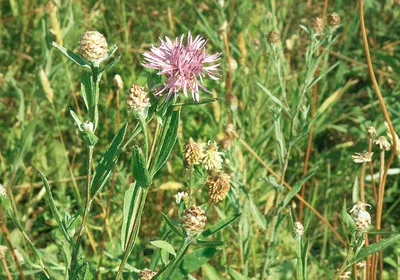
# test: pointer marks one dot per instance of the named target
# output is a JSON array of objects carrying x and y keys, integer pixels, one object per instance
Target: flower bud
[
  {"x": 118, "y": 82},
  {"x": 334, "y": 20},
  {"x": 87, "y": 126},
  {"x": 273, "y": 38},
  {"x": 317, "y": 25},
  {"x": 218, "y": 186},
  {"x": 193, "y": 220},
  {"x": 93, "y": 46}
]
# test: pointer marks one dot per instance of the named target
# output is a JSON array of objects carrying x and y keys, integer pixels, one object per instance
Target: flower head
[
  {"x": 362, "y": 157},
  {"x": 184, "y": 65},
  {"x": 212, "y": 159},
  {"x": 371, "y": 131},
  {"x": 193, "y": 153},
  {"x": 218, "y": 186},
  {"x": 181, "y": 196},
  {"x": 273, "y": 38},
  {"x": 93, "y": 46},
  {"x": 146, "y": 274},
  {"x": 298, "y": 229},
  {"x": 334, "y": 20},
  {"x": 3, "y": 251},
  {"x": 193, "y": 220},
  {"x": 383, "y": 143},
  {"x": 137, "y": 98},
  {"x": 317, "y": 25},
  {"x": 360, "y": 216}
]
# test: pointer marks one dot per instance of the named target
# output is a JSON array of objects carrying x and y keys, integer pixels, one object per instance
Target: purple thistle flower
[{"x": 183, "y": 65}]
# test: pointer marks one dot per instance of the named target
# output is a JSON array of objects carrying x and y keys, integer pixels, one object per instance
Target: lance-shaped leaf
[
  {"x": 164, "y": 245},
  {"x": 139, "y": 169},
  {"x": 54, "y": 209},
  {"x": 346, "y": 218},
  {"x": 109, "y": 159},
  {"x": 220, "y": 225},
  {"x": 72, "y": 56}
]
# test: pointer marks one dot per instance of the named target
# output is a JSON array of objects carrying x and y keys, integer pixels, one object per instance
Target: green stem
[
  {"x": 143, "y": 124},
  {"x": 153, "y": 145},
  {"x": 190, "y": 185},
  {"x": 134, "y": 233},
  {"x": 85, "y": 213}
]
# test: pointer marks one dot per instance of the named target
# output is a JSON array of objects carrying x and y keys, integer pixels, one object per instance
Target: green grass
[{"x": 30, "y": 128}]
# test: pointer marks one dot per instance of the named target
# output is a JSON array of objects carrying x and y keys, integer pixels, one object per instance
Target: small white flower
[
  {"x": 3, "y": 191},
  {"x": 179, "y": 196},
  {"x": 298, "y": 229},
  {"x": 212, "y": 159},
  {"x": 87, "y": 126}
]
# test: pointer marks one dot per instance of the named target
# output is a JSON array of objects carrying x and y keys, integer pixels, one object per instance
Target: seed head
[
  {"x": 3, "y": 190},
  {"x": 334, "y": 20},
  {"x": 362, "y": 157},
  {"x": 317, "y": 25},
  {"x": 193, "y": 220},
  {"x": 360, "y": 216},
  {"x": 93, "y": 46},
  {"x": 218, "y": 186},
  {"x": 193, "y": 153},
  {"x": 3, "y": 251},
  {"x": 298, "y": 229},
  {"x": 212, "y": 159},
  {"x": 371, "y": 131},
  {"x": 383, "y": 143},
  {"x": 137, "y": 99},
  {"x": 118, "y": 82},
  {"x": 146, "y": 274},
  {"x": 273, "y": 38}
]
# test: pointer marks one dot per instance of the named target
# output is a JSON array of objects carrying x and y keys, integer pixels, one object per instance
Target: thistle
[
  {"x": 185, "y": 66},
  {"x": 218, "y": 186},
  {"x": 93, "y": 46},
  {"x": 193, "y": 220}
]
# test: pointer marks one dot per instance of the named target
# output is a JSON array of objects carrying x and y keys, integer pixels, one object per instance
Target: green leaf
[
  {"x": 193, "y": 261},
  {"x": 346, "y": 218},
  {"x": 54, "y": 209},
  {"x": 87, "y": 91},
  {"x": 109, "y": 159},
  {"x": 111, "y": 64},
  {"x": 139, "y": 169},
  {"x": 192, "y": 102},
  {"x": 84, "y": 273},
  {"x": 296, "y": 188},
  {"x": 171, "y": 225},
  {"x": 164, "y": 245},
  {"x": 355, "y": 194},
  {"x": 373, "y": 248},
  {"x": 168, "y": 138},
  {"x": 131, "y": 207},
  {"x": 206, "y": 243},
  {"x": 72, "y": 56},
  {"x": 236, "y": 275},
  {"x": 274, "y": 98},
  {"x": 86, "y": 136},
  {"x": 219, "y": 225}
]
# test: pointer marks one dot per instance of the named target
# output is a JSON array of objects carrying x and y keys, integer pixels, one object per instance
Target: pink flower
[{"x": 183, "y": 65}]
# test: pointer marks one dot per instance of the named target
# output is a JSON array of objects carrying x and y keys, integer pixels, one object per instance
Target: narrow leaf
[
  {"x": 139, "y": 169},
  {"x": 71, "y": 56},
  {"x": 164, "y": 245},
  {"x": 219, "y": 225}
]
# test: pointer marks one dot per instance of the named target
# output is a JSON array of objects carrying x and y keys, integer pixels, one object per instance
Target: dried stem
[{"x": 6, "y": 269}]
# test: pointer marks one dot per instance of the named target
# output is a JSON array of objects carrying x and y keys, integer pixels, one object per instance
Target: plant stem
[
  {"x": 171, "y": 267},
  {"x": 362, "y": 180},
  {"x": 153, "y": 145},
  {"x": 190, "y": 185},
  {"x": 6, "y": 269},
  {"x": 75, "y": 250}
]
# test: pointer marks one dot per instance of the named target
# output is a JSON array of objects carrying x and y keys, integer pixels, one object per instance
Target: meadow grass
[{"x": 39, "y": 86}]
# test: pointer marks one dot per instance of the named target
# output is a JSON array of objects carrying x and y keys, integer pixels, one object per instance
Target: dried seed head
[
  {"x": 87, "y": 126},
  {"x": 317, "y": 25},
  {"x": 146, "y": 274},
  {"x": 193, "y": 220},
  {"x": 360, "y": 216},
  {"x": 362, "y": 157},
  {"x": 298, "y": 229},
  {"x": 371, "y": 131},
  {"x": 93, "y": 46},
  {"x": 218, "y": 186},
  {"x": 333, "y": 19},
  {"x": 181, "y": 195},
  {"x": 193, "y": 153},
  {"x": 137, "y": 99},
  {"x": 3, "y": 190},
  {"x": 383, "y": 143},
  {"x": 273, "y": 38},
  {"x": 212, "y": 159},
  {"x": 118, "y": 82},
  {"x": 3, "y": 251}
]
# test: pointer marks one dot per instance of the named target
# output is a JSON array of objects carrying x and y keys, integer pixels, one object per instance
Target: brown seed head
[
  {"x": 193, "y": 153},
  {"x": 137, "y": 99},
  {"x": 273, "y": 38},
  {"x": 218, "y": 186},
  {"x": 93, "y": 46},
  {"x": 317, "y": 25},
  {"x": 193, "y": 220},
  {"x": 333, "y": 19}
]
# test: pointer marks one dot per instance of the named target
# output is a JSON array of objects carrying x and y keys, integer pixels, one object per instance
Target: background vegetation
[{"x": 38, "y": 133}]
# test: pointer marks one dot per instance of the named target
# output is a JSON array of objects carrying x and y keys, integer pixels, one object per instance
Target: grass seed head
[
  {"x": 93, "y": 46},
  {"x": 218, "y": 186},
  {"x": 193, "y": 220}
]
